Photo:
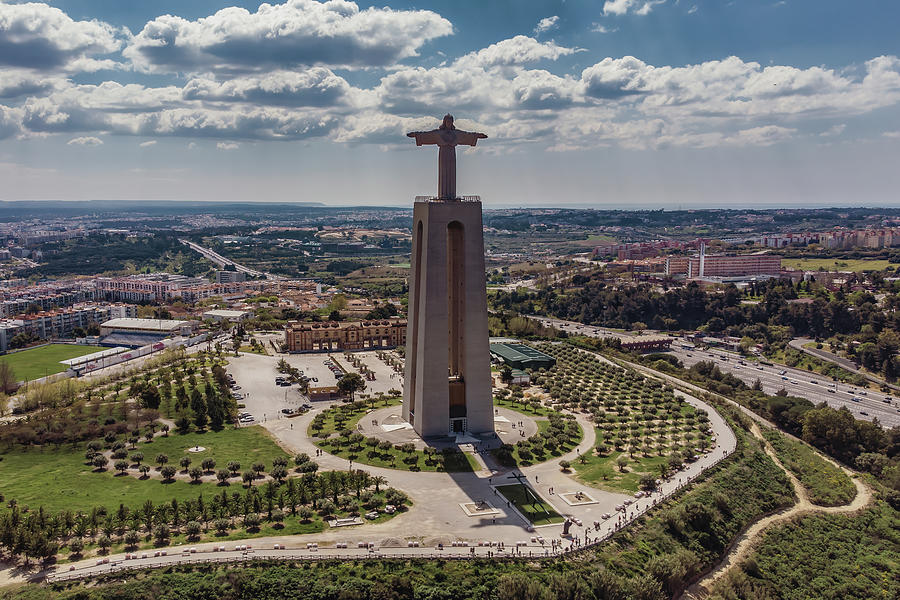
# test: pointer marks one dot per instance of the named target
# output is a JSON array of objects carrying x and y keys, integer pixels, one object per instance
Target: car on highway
[
  {"x": 831, "y": 390},
  {"x": 855, "y": 399},
  {"x": 887, "y": 400},
  {"x": 794, "y": 381},
  {"x": 759, "y": 368},
  {"x": 287, "y": 411},
  {"x": 783, "y": 372},
  {"x": 864, "y": 413},
  {"x": 863, "y": 393}
]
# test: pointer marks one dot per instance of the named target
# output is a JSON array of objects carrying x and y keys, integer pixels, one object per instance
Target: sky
[{"x": 608, "y": 103}]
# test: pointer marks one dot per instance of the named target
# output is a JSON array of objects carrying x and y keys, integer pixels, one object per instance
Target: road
[
  {"x": 223, "y": 261},
  {"x": 868, "y": 405},
  {"x": 871, "y": 403},
  {"x": 846, "y": 363}
]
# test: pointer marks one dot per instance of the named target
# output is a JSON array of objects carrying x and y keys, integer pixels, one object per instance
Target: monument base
[{"x": 447, "y": 383}]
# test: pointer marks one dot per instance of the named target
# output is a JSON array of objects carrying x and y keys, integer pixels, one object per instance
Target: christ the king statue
[{"x": 446, "y": 137}]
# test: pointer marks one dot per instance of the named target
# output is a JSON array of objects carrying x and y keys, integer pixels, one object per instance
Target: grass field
[
  {"x": 835, "y": 264},
  {"x": 43, "y": 361},
  {"x": 531, "y": 506},
  {"x": 246, "y": 445},
  {"x": 596, "y": 240},
  {"x": 59, "y": 479},
  {"x": 602, "y": 471}
]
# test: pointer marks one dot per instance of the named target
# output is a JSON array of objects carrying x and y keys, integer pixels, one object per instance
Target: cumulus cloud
[
  {"x": 273, "y": 75},
  {"x": 546, "y": 24},
  {"x": 518, "y": 50},
  {"x": 622, "y": 7},
  {"x": 85, "y": 141},
  {"x": 297, "y": 33},
  {"x": 317, "y": 86},
  {"x": 227, "y": 146},
  {"x": 38, "y": 36},
  {"x": 10, "y": 122}
]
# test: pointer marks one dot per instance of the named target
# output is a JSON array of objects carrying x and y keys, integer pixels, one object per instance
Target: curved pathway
[{"x": 741, "y": 548}]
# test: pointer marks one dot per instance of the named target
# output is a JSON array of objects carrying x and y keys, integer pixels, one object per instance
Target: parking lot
[{"x": 255, "y": 375}]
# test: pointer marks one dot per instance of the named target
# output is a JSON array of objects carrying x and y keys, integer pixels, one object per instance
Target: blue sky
[{"x": 622, "y": 103}]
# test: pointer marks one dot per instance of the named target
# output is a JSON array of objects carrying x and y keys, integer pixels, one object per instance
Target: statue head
[{"x": 448, "y": 122}]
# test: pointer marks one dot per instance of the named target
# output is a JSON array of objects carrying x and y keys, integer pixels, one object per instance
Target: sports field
[{"x": 43, "y": 361}]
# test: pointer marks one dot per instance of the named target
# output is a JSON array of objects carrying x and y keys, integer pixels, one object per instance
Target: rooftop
[{"x": 151, "y": 324}]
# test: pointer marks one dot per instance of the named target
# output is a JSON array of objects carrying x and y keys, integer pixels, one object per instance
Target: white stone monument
[{"x": 447, "y": 386}]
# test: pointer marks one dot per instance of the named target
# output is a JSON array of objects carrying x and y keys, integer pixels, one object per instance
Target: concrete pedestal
[{"x": 447, "y": 386}]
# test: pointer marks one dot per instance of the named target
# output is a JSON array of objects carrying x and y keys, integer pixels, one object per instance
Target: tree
[
  {"x": 162, "y": 459},
  {"x": 565, "y": 465},
  {"x": 252, "y": 521},
  {"x": 168, "y": 472},
  {"x": 248, "y": 478},
  {"x": 8, "y": 380},
  {"x": 198, "y": 407},
  {"x": 100, "y": 461},
  {"x": 222, "y": 475},
  {"x": 185, "y": 462},
  {"x": 351, "y": 383},
  {"x": 506, "y": 374},
  {"x": 196, "y": 474},
  {"x": 121, "y": 466},
  {"x": 208, "y": 464},
  {"x": 622, "y": 462},
  {"x": 193, "y": 530},
  {"x": 132, "y": 539},
  {"x": 234, "y": 466},
  {"x": 76, "y": 546},
  {"x": 161, "y": 534},
  {"x": 647, "y": 482}
]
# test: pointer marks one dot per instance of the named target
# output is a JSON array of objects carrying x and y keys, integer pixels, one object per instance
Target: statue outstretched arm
[
  {"x": 425, "y": 137},
  {"x": 469, "y": 138}
]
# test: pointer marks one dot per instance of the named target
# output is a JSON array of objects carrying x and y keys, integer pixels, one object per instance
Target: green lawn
[
  {"x": 835, "y": 264},
  {"x": 330, "y": 441},
  {"x": 529, "y": 504},
  {"x": 602, "y": 471},
  {"x": 43, "y": 361},
  {"x": 246, "y": 445},
  {"x": 59, "y": 479}
]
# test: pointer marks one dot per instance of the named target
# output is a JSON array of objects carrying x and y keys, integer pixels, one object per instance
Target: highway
[
  {"x": 869, "y": 404},
  {"x": 222, "y": 261}
]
